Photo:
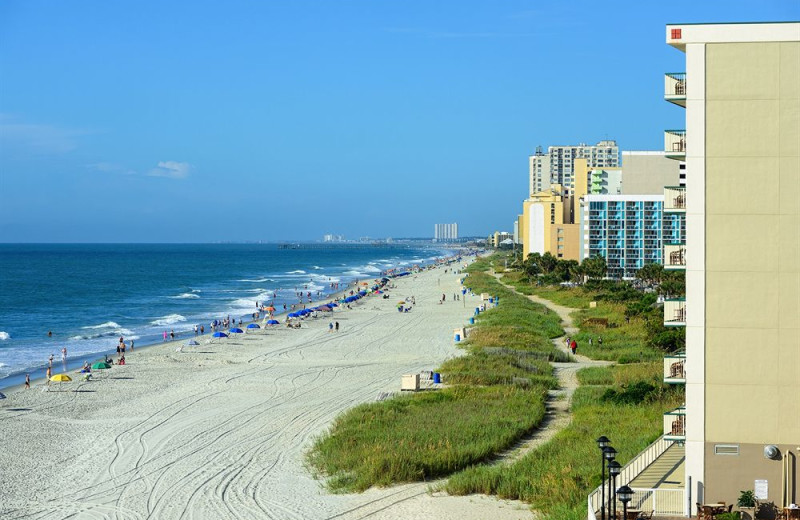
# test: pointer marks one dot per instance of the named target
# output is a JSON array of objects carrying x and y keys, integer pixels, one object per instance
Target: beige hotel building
[{"x": 740, "y": 426}]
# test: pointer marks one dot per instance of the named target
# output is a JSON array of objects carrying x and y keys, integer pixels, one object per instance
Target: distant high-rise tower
[
  {"x": 557, "y": 166},
  {"x": 445, "y": 232}
]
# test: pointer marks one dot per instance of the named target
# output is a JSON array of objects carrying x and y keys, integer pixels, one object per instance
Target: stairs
[{"x": 666, "y": 472}]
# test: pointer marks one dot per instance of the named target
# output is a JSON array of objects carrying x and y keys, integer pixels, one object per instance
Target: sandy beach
[{"x": 220, "y": 430}]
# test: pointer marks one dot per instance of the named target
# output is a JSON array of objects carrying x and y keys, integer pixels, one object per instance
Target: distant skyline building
[
  {"x": 646, "y": 172},
  {"x": 333, "y": 238},
  {"x": 445, "y": 232},
  {"x": 557, "y": 166}
]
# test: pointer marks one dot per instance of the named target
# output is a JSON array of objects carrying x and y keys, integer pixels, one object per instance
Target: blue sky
[{"x": 203, "y": 121}]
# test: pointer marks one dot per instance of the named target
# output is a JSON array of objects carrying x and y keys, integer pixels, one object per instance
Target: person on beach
[
  {"x": 600, "y": 342},
  {"x": 171, "y": 334},
  {"x": 27, "y": 381},
  {"x": 49, "y": 373},
  {"x": 119, "y": 350},
  {"x": 202, "y": 329},
  {"x": 165, "y": 335},
  {"x": 195, "y": 330},
  {"x": 49, "y": 333},
  {"x": 63, "y": 354},
  {"x": 573, "y": 346},
  {"x": 330, "y": 327},
  {"x": 51, "y": 361},
  {"x": 337, "y": 326},
  {"x": 131, "y": 345}
]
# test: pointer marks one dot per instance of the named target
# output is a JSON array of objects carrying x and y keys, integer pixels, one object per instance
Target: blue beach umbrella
[
  {"x": 220, "y": 335},
  {"x": 237, "y": 330},
  {"x": 273, "y": 322},
  {"x": 253, "y": 326}
]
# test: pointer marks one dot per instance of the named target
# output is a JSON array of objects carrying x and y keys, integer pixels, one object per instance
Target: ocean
[{"x": 88, "y": 295}]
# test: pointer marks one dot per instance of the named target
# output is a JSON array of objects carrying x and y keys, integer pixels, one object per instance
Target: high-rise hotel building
[
  {"x": 557, "y": 166},
  {"x": 445, "y": 232}
]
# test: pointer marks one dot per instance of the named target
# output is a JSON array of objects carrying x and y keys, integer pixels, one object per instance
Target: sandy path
[
  {"x": 220, "y": 431},
  {"x": 558, "y": 401}
]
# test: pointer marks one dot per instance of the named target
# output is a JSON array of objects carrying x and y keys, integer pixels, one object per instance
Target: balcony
[
  {"x": 675, "y": 256},
  {"x": 675, "y": 199},
  {"x": 675, "y": 369},
  {"x": 675, "y": 88},
  {"x": 675, "y": 425},
  {"x": 675, "y": 313},
  {"x": 675, "y": 144}
]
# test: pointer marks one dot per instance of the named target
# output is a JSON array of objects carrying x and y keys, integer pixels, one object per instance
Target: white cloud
[
  {"x": 34, "y": 138},
  {"x": 171, "y": 169}
]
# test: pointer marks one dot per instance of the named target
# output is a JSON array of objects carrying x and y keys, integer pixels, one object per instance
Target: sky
[{"x": 284, "y": 120}]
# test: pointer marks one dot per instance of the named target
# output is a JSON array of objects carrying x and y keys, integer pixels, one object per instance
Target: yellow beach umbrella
[{"x": 60, "y": 378}]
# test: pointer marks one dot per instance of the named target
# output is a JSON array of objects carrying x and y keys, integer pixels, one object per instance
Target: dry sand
[{"x": 220, "y": 430}]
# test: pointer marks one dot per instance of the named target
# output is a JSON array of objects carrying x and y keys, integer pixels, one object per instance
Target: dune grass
[
  {"x": 423, "y": 436},
  {"x": 557, "y": 477},
  {"x": 495, "y": 397}
]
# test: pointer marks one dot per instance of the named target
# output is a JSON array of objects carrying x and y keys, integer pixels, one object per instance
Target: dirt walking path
[{"x": 557, "y": 404}]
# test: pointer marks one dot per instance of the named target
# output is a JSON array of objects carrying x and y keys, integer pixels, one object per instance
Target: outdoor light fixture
[
  {"x": 614, "y": 469},
  {"x": 771, "y": 452},
  {"x": 602, "y": 443},
  {"x": 608, "y": 455},
  {"x": 625, "y": 494}
]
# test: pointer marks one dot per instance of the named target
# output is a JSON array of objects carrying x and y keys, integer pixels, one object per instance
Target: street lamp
[
  {"x": 609, "y": 453},
  {"x": 614, "y": 469},
  {"x": 625, "y": 495},
  {"x": 602, "y": 443}
]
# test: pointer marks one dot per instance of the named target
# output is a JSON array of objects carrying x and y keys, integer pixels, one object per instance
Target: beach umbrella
[
  {"x": 60, "y": 378},
  {"x": 236, "y": 330},
  {"x": 219, "y": 335},
  {"x": 272, "y": 322},
  {"x": 100, "y": 365},
  {"x": 253, "y": 326},
  {"x": 270, "y": 308}
]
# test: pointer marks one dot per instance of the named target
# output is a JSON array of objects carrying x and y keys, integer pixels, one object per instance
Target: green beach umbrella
[{"x": 100, "y": 365}]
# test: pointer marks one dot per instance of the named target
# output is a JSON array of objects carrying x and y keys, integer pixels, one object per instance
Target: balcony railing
[
  {"x": 675, "y": 313},
  {"x": 675, "y": 198},
  {"x": 675, "y": 368},
  {"x": 675, "y": 256},
  {"x": 675, "y": 144},
  {"x": 675, "y": 424},
  {"x": 675, "y": 88}
]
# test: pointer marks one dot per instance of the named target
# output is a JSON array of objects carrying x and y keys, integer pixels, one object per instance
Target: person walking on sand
[
  {"x": 573, "y": 346},
  {"x": 337, "y": 326},
  {"x": 50, "y": 361},
  {"x": 165, "y": 335},
  {"x": 330, "y": 327},
  {"x": 27, "y": 381},
  {"x": 63, "y": 354},
  {"x": 172, "y": 334},
  {"x": 49, "y": 373},
  {"x": 131, "y": 345},
  {"x": 195, "y": 330}
]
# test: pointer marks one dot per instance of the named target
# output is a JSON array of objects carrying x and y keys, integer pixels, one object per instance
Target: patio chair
[{"x": 646, "y": 516}]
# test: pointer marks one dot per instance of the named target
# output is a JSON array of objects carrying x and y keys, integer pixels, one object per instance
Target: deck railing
[{"x": 629, "y": 471}]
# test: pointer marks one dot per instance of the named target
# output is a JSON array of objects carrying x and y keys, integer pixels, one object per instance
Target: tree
[
  {"x": 533, "y": 264},
  {"x": 594, "y": 267},
  {"x": 548, "y": 262},
  {"x": 568, "y": 270},
  {"x": 651, "y": 274}
]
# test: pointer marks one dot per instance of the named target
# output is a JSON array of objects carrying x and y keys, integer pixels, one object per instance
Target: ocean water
[{"x": 88, "y": 295}]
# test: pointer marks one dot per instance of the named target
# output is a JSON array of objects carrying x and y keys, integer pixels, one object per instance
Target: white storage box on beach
[
  {"x": 484, "y": 296},
  {"x": 459, "y": 334},
  {"x": 410, "y": 382}
]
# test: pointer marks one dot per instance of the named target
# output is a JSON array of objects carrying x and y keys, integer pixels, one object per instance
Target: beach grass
[
  {"x": 557, "y": 477},
  {"x": 425, "y": 435},
  {"x": 495, "y": 396}
]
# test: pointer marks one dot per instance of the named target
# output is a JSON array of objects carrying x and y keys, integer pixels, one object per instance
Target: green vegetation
[
  {"x": 557, "y": 477},
  {"x": 496, "y": 396},
  {"x": 425, "y": 435}
]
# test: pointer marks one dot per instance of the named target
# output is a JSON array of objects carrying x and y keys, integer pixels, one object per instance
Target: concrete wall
[
  {"x": 646, "y": 173},
  {"x": 752, "y": 257}
]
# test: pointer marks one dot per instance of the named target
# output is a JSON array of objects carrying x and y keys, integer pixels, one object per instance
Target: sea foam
[
  {"x": 185, "y": 296},
  {"x": 168, "y": 320},
  {"x": 4, "y": 335},
  {"x": 106, "y": 325}
]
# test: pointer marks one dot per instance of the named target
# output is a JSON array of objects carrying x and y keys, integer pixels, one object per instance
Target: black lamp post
[
  {"x": 614, "y": 469},
  {"x": 609, "y": 453},
  {"x": 625, "y": 494},
  {"x": 602, "y": 442}
]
